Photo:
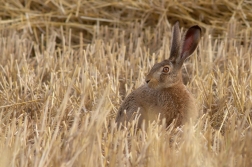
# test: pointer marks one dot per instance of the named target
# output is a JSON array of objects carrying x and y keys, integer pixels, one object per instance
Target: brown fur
[{"x": 164, "y": 95}]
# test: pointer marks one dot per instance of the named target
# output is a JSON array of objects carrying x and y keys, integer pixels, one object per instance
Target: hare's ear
[
  {"x": 189, "y": 43},
  {"x": 175, "y": 42}
]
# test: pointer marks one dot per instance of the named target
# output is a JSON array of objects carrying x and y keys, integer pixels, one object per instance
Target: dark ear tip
[
  {"x": 177, "y": 23},
  {"x": 196, "y": 27}
]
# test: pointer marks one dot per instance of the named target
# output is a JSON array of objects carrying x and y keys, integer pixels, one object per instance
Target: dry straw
[{"x": 67, "y": 65}]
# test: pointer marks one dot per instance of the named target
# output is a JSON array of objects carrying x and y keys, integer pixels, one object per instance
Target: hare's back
[{"x": 137, "y": 102}]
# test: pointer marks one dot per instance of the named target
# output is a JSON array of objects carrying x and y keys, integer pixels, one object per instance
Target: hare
[{"x": 164, "y": 95}]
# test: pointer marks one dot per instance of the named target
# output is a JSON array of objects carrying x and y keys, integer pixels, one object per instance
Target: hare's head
[{"x": 169, "y": 72}]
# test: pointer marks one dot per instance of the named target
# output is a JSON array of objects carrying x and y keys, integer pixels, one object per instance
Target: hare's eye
[{"x": 166, "y": 69}]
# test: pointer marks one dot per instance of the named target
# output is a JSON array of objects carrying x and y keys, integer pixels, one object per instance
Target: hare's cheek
[{"x": 163, "y": 78}]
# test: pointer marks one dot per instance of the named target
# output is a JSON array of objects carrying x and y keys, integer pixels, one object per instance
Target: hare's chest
[
  {"x": 163, "y": 101},
  {"x": 170, "y": 103}
]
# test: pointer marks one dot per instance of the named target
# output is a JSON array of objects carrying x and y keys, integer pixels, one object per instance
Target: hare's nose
[{"x": 147, "y": 81}]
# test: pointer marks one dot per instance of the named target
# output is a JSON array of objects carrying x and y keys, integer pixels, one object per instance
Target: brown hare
[{"x": 164, "y": 95}]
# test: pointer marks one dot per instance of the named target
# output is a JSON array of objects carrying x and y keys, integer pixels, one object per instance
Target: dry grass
[{"x": 67, "y": 65}]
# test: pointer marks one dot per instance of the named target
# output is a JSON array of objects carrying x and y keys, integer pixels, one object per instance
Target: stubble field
[{"x": 67, "y": 65}]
